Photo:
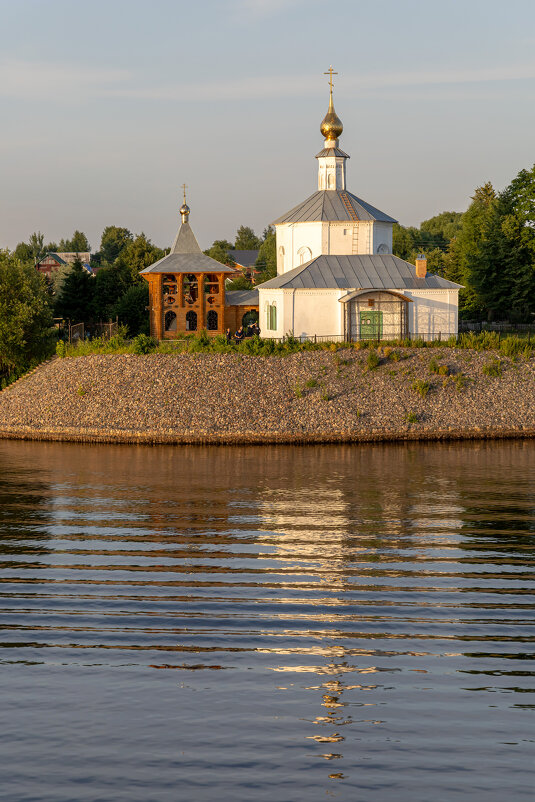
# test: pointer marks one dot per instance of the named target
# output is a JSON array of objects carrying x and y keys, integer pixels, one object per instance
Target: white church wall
[
  {"x": 269, "y": 299},
  {"x": 299, "y": 243},
  {"x": 382, "y": 238},
  {"x": 365, "y": 237},
  {"x": 433, "y": 312},
  {"x": 303, "y": 312},
  {"x": 338, "y": 237},
  {"x": 316, "y": 312}
]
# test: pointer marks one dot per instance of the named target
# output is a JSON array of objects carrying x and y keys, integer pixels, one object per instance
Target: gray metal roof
[
  {"x": 241, "y": 298},
  {"x": 187, "y": 257},
  {"x": 328, "y": 204},
  {"x": 244, "y": 258},
  {"x": 187, "y": 263},
  {"x": 363, "y": 271},
  {"x": 332, "y": 152},
  {"x": 185, "y": 241}
]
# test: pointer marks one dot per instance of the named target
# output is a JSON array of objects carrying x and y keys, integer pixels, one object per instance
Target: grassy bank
[{"x": 510, "y": 346}]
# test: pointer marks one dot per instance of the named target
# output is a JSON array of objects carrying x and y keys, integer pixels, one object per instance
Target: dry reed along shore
[{"x": 315, "y": 396}]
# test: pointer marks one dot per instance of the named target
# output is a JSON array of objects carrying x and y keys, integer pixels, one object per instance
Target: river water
[{"x": 267, "y": 623}]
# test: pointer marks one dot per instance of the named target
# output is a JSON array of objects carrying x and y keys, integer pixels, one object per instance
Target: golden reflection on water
[{"x": 336, "y": 567}]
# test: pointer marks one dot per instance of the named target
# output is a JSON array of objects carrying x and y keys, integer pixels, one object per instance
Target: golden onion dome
[
  {"x": 184, "y": 212},
  {"x": 331, "y": 126}
]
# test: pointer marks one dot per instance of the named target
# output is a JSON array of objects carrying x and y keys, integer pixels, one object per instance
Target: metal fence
[
  {"x": 105, "y": 330},
  {"x": 76, "y": 332},
  {"x": 500, "y": 325},
  {"x": 527, "y": 332}
]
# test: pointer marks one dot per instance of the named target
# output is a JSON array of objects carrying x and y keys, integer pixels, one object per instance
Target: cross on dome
[
  {"x": 330, "y": 72},
  {"x": 184, "y": 209},
  {"x": 331, "y": 126}
]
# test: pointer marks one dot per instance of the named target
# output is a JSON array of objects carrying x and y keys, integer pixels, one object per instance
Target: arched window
[
  {"x": 211, "y": 320},
  {"x": 249, "y": 318},
  {"x": 211, "y": 284},
  {"x": 382, "y": 248},
  {"x": 281, "y": 250},
  {"x": 191, "y": 288},
  {"x": 191, "y": 321},
  {"x": 330, "y": 181},
  {"x": 169, "y": 289},
  {"x": 170, "y": 321},
  {"x": 304, "y": 254}
]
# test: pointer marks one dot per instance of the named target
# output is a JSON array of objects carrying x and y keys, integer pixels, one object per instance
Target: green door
[{"x": 371, "y": 325}]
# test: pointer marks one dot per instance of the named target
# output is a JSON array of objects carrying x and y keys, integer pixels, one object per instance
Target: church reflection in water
[{"x": 341, "y": 573}]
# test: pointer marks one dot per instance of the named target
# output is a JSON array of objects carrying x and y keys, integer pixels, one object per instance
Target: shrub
[
  {"x": 421, "y": 387},
  {"x": 412, "y": 417},
  {"x": 513, "y": 346},
  {"x": 433, "y": 365},
  {"x": 298, "y": 391},
  {"x": 493, "y": 368},
  {"x": 143, "y": 344},
  {"x": 461, "y": 381},
  {"x": 373, "y": 360},
  {"x": 61, "y": 349},
  {"x": 311, "y": 383},
  {"x": 443, "y": 370}
]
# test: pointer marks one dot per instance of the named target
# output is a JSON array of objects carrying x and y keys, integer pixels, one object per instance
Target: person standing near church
[{"x": 240, "y": 334}]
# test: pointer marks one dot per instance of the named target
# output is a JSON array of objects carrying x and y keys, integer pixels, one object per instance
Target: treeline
[
  {"x": 117, "y": 289},
  {"x": 246, "y": 240},
  {"x": 489, "y": 249}
]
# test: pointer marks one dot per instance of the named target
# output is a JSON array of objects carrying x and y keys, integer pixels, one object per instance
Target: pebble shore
[{"x": 315, "y": 396}]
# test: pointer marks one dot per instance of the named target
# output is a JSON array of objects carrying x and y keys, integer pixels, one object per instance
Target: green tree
[
  {"x": 36, "y": 245},
  {"x": 25, "y": 315},
  {"x": 246, "y": 239},
  {"x": 75, "y": 299},
  {"x": 442, "y": 228},
  {"x": 110, "y": 284},
  {"x": 77, "y": 244},
  {"x": 517, "y": 207},
  {"x": 239, "y": 283},
  {"x": 476, "y": 261},
  {"x": 113, "y": 241},
  {"x": 219, "y": 252},
  {"x": 137, "y": 255},
  {"x": 267, "y": 257},
  {"x": 131, "y": 309},
  {"x": 24, "y": 253},
  {"x": 35, "y": 249},
  {"x": 404, "y": 241}
]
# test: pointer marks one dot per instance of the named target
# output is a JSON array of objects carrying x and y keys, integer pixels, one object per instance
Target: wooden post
[
  {"x": 222, "y": 304},
  {"x": 201, "y": 316},
  {"x": 157, "y": 306}
]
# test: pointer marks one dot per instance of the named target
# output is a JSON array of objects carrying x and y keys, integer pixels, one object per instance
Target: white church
[{"x": 336, "y": 274}]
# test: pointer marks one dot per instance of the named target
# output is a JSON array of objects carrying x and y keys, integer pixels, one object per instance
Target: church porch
[{"x": 375, "y": 315}]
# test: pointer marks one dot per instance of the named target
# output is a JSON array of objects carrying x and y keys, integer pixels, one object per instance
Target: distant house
[
  {"x": 50, "y": 263},
  {"x": 245, "y": 262}
]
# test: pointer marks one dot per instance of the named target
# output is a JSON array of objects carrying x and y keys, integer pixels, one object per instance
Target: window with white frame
[{"x": 271, "y": 317}]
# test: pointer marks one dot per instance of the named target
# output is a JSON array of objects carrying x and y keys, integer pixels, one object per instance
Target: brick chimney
[{"x": 421, "y": 266}]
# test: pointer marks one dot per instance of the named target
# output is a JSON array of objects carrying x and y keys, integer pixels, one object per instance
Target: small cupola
[{"x": 331, "y": 160}]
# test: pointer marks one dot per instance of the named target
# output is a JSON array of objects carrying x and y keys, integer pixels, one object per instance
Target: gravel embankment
[{"x": 232, "y": 398}]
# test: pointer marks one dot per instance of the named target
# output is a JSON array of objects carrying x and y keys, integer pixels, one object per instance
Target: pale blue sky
[{"x": 107, "y": 107}]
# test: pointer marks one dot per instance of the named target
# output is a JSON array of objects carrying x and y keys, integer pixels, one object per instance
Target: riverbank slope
[{"x": 315, "y": 396}]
